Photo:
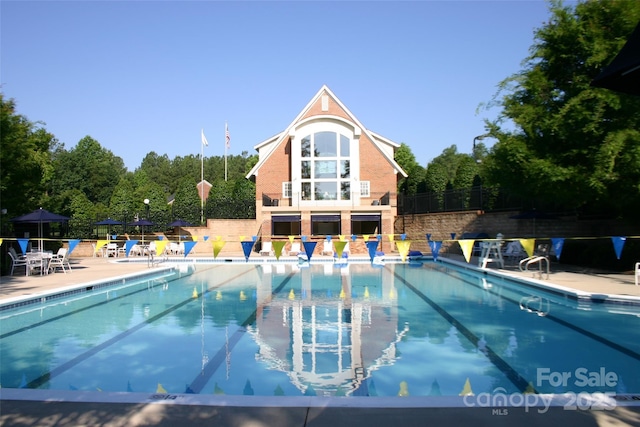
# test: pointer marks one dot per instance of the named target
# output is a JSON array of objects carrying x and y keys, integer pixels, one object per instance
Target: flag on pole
[
  {"x": 204, "y": 139},
  {"x": 227, "y": 136}
]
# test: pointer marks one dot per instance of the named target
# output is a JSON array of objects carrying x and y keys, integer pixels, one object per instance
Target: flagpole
[
  {"x": 202, "y": 142},
  {"x": 226, "y": 145}
]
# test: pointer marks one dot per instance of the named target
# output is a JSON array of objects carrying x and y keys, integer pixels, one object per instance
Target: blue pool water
[{"x": 414, "y": 329}]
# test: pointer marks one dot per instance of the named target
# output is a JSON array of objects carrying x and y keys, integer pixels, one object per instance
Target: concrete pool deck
[{"x": 66, "y": 408}]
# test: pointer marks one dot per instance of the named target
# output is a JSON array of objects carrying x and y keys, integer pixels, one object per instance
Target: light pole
[
  {"x": 477, "y": 138},
  {"x": 146, "y": 207}
]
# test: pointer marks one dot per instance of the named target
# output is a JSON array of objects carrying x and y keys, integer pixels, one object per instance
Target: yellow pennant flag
[
  {"x": 194, "y": 238},
  {"x": 341, "y": 237},
  {"x": 218, "y": 238},
  {"x": 1, "y": 241},
  {"x": 160, "y": 246},
  {"x": 217, "y": 247},
  {"x": 339, "y": 248},
  {"x": 291, "y": 239},
  {"x": 277, "y": 247},
  {"x": 403, "y": 248},
  {"x": 528, "y": 245},
  {"x": 390, "y": 237},
  {"x": 100, "y": 244},
  {"x": 242, "y": 238},
  {"x": 467, "y": 248},
  {"x": 365, "y": 237}
]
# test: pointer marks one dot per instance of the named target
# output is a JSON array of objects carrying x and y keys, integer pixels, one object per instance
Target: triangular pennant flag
[
  {"x": 435, "y": 248},
  {"x": 339, "y": 248},
  {"x": 453, "y": 236},
  {"x": 428, "y": 237},
  {"x": 341, "y": 237},
  {"x": 303, "y": 238},
  {"x": 242, "y": 238},
  {"x": 528, "y": 245},
  {"x": 1, "y": 240},
  {"x": 217, "y": 247},
  {"x": 218, "y": 238},
  {"x": 278, "y": 245},
  {"x": 467, "y": 248},
  {"x": 100, "y": 244},
  {"x": 291, "y": 239},
  {"x": 72, "y": 244},
  {"x": 254, "y": 238},
  {"x": 127, "y": 246},
  {"x": 372, "y": 246},
  {"x": 618, "y": 244},
  {"x": 159, "y": 237},
  {"x": 160, "y": 246},
  {"x": 403, "y": 247},
  {"x": 206, "y": 238},
  {"x": 309, "y": 247},
  {"x": 195, "y": 238},
  {"x": 390, "y": 236},
  {"x": 365, "y": 237},
  {"x": 187, "y": 247},
  {"x": 557, "y": 243},
  {"x": 403, "y": 236},
  {"x": 23, "y": 245},
  {"x": 379, "y": 237},
  {"x": 246, "y": 248},
  {"x": 328, "y": 238},
  {"x": 354, "y": 237}
]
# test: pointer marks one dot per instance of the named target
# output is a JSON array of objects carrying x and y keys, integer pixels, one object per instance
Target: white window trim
[{"x": 365, "y": 189}]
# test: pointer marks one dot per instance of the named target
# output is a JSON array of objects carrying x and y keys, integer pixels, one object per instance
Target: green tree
[
  {"x": 416, "y": 173},
  {"x": 90, "y": 168},
  {"x": 26, "y": 166},
  {"x": 573, "y": 146}
]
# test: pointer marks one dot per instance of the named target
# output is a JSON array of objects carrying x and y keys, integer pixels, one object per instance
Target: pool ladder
[
  {"x": 152, "y": 262},
  {"x": 541, "y": 261}
]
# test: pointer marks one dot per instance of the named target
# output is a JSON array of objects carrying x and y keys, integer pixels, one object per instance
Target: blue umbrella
[
  {"x": 141, "y": 223},
  {"x": 40, "y": 216}
]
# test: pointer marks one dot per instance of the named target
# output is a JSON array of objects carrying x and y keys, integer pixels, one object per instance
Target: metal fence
[{"x": 476, "y": 198}]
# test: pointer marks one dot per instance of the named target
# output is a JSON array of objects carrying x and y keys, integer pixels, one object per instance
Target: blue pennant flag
[
  {"x": 372, "y": 245},
  {"x": 557, "y": 243},
  {"x": 428, "y": 237},
  {"x": 23, "y": 245},
  {"x": 72, "y": 244},
  {"x": 309, "y": 247},
  {"x": 435, "y": 248},
  {"x": 246, "y": 248},
  {"x": 188, "y": 246},
  {"x": 618, "y": 244},
  {"x": 128, "y": 245}
]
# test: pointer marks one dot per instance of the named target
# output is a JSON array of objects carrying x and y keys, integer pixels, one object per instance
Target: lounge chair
[
  {"x": 295, "y": 249},
  {"x": 267, "y": 249},
  {"x": 18, "y": 261},
  {"x": 327, "y": 248}
]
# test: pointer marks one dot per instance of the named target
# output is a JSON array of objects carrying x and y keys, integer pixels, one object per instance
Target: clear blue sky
[{"x": 144, "y": 76}]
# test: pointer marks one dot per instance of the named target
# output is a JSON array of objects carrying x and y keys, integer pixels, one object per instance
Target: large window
[
  {"x": 325, "y": 168},
  {"x": 325, "y": 225},
  {"x": 285, "y": 225}
]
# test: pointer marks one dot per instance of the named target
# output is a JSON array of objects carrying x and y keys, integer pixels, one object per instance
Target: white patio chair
[
  {"x": 59, "y": 260},
  {"x": 295, "y": 249},
  {"x": 112, "y": 250},
  {"x": 637, "y": 272},
  {"x": 327, "y": 248},
  {"x": 267, "y": 249},
  {"x": 18, "y": 261}
]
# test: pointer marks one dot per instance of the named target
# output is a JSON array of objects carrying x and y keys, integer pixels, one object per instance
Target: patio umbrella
[
  {"x": 623, "y": 74},
  {"x": 108, "y": 222},
  {"x": 142, "y": 223},
  {"x": 180, "y": 223},
  {"x": 40, "y": 216}
]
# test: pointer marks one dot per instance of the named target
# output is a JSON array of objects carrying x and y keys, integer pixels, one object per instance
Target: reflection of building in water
[{"x": 325, "y": 336}]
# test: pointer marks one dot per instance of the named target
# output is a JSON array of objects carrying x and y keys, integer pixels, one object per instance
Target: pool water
[{"x": 355, "y": 329}]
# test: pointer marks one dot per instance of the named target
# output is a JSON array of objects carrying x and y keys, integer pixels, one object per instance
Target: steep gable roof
[{"x": 267, "y": 147}]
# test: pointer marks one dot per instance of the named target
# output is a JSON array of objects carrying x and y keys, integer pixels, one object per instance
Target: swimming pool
[{"x": 324, "y": 329}]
